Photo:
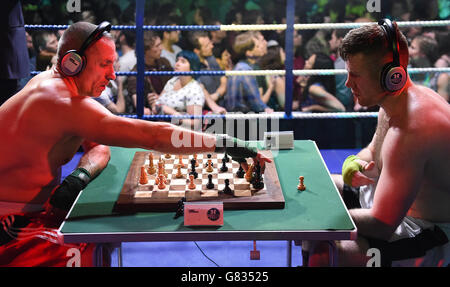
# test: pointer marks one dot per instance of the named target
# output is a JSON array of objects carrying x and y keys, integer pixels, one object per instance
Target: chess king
[{"x": 46, "y": 122}]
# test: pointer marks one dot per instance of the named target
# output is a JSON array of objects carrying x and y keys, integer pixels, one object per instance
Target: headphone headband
[
  {"x": 391, "y": 35},
  {"x": 95, "y": 36},
  {"x": 73, "y": 62}
]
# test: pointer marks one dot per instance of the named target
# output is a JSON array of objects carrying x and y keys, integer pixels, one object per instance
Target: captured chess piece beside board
[{"x": 157, "y": 182}]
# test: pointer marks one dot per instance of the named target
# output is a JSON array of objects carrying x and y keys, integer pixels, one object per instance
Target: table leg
[
  {"x": 119, "y": 255},
  {"x": 333, "y": 253},
  {"x": 289, "y": 253},
  {"x": 99, "y": 255}
]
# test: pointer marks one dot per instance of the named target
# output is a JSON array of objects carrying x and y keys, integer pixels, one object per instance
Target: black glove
[
  {"x": 65, "y": 194},
  {"x": 238, "y": 149}
]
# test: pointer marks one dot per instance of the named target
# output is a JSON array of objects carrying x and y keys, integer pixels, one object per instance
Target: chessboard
[{"x": 142, "y": 190}]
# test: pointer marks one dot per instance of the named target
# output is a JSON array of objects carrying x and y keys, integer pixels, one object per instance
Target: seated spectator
[
  {"x": 46, "y": 44},
  {"x": 243, "y": 94},
  {"x": 318, "y": 92},
  {"x": 217, "y": 37},
  {"x": 32, "y": 58},
  {"x": 126, "y": 41},
  {"x": 169, "y": 39},
  {"x": 212, "y": 86},
  {"x": 299, "y": 64},
  {"x": 183, "y": 94},
  {"x": 274, "y": 60},
  {"x": 153, "y": 85},
  {"x": 422, "y": 54},
  {"x": 223, "y": 56},
  {"x": 343, "y": 94},
  {"x": 440, "y": 81}
]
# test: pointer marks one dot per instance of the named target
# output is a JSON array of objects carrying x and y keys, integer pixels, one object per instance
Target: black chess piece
[
  {"x": 257, "y": 180},
  {"x": 227, "y": 189},
  {"x": 226, "y": 158},
  {"x": 180, "y": 208},
  {"x": 210, "y": 184},
  {"x": 193, "y": 172},
  {"x": 224, "y": 167},
  {"x": 240, "y": 173}
]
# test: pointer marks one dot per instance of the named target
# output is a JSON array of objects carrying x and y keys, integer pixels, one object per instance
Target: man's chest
[{"x": 380, "y": 139}]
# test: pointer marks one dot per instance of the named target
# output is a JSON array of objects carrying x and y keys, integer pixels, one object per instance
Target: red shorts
[{"x": 37, "y": 243}]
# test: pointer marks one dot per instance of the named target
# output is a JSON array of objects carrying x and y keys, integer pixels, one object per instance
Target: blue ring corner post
[
  {"x": 140, "y": 6},
  {"x": 289, "y": 63}
]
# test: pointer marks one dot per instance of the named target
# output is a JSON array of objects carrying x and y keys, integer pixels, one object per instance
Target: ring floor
[{"x": 214, "y": 253}]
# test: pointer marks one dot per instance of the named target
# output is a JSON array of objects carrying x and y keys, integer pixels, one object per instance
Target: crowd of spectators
[{"x": 251, "y": 50}]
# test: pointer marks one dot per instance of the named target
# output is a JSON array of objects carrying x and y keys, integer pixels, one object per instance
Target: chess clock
[{"x": 203, "y": 213}]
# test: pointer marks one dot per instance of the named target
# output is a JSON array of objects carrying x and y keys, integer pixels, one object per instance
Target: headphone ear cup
[
  {"x": 393, "y": 78},
  {"x": 72, "y": 63}
]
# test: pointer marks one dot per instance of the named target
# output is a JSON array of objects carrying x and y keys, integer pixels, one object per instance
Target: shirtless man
[
  {"x": 403, "y": 174},
  {"x": 43, "y": 126}
]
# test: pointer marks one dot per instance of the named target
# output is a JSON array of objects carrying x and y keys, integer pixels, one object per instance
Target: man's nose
[
  {"x": 111, "y": 75},
  {"x": 347, "y": 82}
]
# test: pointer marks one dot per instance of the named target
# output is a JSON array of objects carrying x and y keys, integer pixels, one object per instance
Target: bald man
[{"x": 44, "y": 125}]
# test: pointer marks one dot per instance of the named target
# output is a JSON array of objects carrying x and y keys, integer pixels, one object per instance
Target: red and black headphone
[
  {"x": 73, "y": 61},
  {"x": 393, "y": 75}
]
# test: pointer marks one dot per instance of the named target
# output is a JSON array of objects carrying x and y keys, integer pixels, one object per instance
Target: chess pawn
[
  {"x": 249, "y": 173},
  {"x": 161, "y": 169},
  {"x": 162, "y": 181},
  {"x": 210, "y": 167},
  {"x": 227, "y": 189},
  {"x": 191, "y": 182},
  {"x": 210, "y": 184},
  {"x": 167, "y": 155},
  {"x": 196, "y": 161},
  {"x": 179, "y": 174},
  {"x": 143, "y": 178},
  {"x": 180, "y": 160},
  {"x": 224, "y": 167},
  {"x": 301, "y": 186},
  {"x": 240, "y": 173}
]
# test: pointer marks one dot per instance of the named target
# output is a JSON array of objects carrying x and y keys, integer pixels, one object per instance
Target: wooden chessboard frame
[{"x": 127, "y": 202}]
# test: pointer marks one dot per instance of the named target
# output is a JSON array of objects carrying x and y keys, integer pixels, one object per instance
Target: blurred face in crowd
[
  {"x": 51, "y": 43},
  {"x": 309, "y": 64},
  {"x": 206, "y": 47},
  {"x": 154, "y": 52},
  {"x": 182, "y": 65},
  {"x": 414, "y": 51},
  {"x": 298, "y": 39},
  {"x": 173, "y": 36},
  {"x": 260, "y": 48},
  {"x": 334, "y": 42}
]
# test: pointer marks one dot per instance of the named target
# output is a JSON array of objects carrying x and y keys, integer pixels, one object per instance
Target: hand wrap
[
  {"x": 65, "y": 194},
  {"x": 349, "y": 168}
]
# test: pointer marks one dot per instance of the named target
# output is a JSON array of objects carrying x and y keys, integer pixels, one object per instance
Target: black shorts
[
  {"x": 401, "y": 249},
  {"x": 351, "y": 196}
]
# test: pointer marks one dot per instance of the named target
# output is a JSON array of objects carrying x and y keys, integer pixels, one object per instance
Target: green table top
[{"x": 318, "y": 213}]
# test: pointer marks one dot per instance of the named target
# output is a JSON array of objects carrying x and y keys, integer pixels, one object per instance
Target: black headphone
[
  {"x": 73, "y": 61},
  {"x": 393, "y": 76}
]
